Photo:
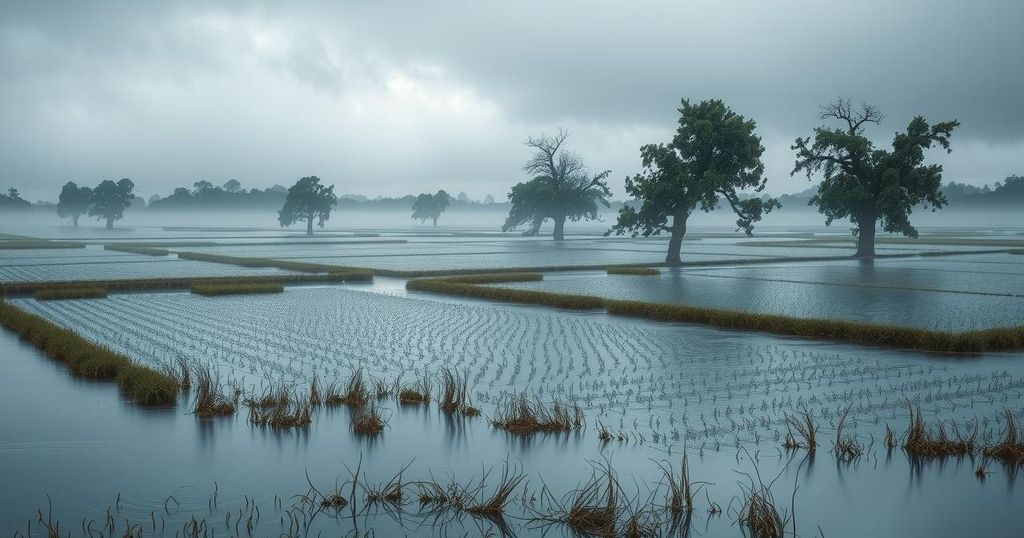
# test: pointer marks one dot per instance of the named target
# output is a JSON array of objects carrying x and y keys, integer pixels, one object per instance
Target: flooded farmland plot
[{"x": 335, "y": 409}]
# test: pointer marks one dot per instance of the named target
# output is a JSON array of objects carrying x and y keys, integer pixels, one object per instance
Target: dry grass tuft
[
  {"x": 417, "y": 393},
  {"x": 919, "y": 441},
  {"x": 285, "y": 413},
  {"x": 634, "y": 271},
  {"x": 523, "y": 416},
  {"x": 758, "y": 514},
  {"x": 355, "y": 394},
  {"x": 455, "y": 393},
  {"x": 594, "y": 508},
  {"x": 494, "y": 507},
  {"x": 1009, "y": 451},
  {"x": 806, "y": 432},
  {"x": 211, "y": 401},
  {"x": 366, "y": 420},
  {"x": 846, "y": 447}
]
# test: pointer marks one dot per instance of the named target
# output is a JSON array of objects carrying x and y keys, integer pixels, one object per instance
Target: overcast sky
[{"x": 385, "y": 98}]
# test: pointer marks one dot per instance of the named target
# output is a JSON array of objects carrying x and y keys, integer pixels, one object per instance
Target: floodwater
[{"x": 721, "y": 397}]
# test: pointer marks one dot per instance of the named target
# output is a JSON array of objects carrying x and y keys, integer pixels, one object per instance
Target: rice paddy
[{"x": 451, "y": 405}]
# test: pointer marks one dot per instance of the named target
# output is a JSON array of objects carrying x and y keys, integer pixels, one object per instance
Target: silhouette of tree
[{"x": 308, "y": 200}]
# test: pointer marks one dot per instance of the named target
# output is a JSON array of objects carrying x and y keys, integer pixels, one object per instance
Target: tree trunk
[
  {"x": 435, "y": 221},
  {"x": 110, "y": 223},
  {"x": 675, "y": 242},
  {"x": 866, "y": 237},
  {"x": 309, "y": 226},
  {"x": 74, "y": 221},
  {"x": 559, "y": 228}
]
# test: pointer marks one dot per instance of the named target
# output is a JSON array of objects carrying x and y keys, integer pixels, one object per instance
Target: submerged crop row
[
  {"x": 827, "y": 329},
  {"x": 84, "y": 358}
]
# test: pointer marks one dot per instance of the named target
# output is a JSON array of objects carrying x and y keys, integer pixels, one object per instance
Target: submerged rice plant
[{"x": 920, "y": 441}]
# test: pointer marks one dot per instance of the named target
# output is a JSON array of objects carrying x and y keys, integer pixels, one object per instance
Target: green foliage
[
  {"x": 73, "y": 292},
  {"x": 73, "y": 202},
  {"x": 84, "y": 358},
  {"x": 12, "y": 201},
  {"x": 714, "y": 153},
  {"x": 109, "y": 200},
  {"x": 310, "y": 201},
  {"x": 430, "y": 206},
  {"x": 212, "y": 290},
  {"x": 561, "y": 188},
  {"x": 866, "y": 184}
]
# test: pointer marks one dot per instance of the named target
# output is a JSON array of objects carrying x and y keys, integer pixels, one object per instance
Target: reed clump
[
  {"x": 213, "y": 290},
  {"x": 1009, "y": 451},
  {"x": 759, "y": 515},
  {"x": 417, "y": 393},
  {"x": 806, "y": 432},
  {"x": 454, "y": 393},
  {"x": 354, "y": 394},
  {"x": 72, "y": 292},
  {"x": 920, "y": 441},
  {"x": 493, "y": 507},
  {"x": 846, "y": 446},
  {"x": 594, "y": 508},
  {"x": 142, "y": 384},
  {"x": 285, "y": 415},
  {"x": 367, "y": 420},
  {"x": 211, "y": 400},
  {"x": 634, "y": 271},
  {"x": 522, "y": 415}
]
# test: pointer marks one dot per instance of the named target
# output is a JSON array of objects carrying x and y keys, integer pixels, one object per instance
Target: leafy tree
[
  {"x": 561, "y": 188},
  {"x": 12, "y": 201},
  {"x": 233, "y": 186},
  {"x": 308, "y": 200},
  {"x": 202, "y": 186},
  {"x": 73, "y": 202},
  {"x": 714, "y": 153},
  {"x": 430, "y": 206},
  {"x": 866, "y": 184},
  {"x": 109, "y": 200}
]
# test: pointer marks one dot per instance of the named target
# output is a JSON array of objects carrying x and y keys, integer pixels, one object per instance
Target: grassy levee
[
  {"x": 77, "y": 292},
  {"x": 302, "y": 267},
  {"x": 30, "y": 288},
  {"x": 959, "y": 241},
  {"x": 827, "y": 329},
  {"x": 13, "y": 244},
  {"x": 145, "y": 251},
  {"x": 636, "y": 271},
  {"x": 996, "y": 339},
  {"x": 213, "y": 290},
  {"x": 142, "y": 384}
]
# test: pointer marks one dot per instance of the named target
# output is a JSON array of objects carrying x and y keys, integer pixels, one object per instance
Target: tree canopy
[
  {"x": 430, "y": 206},
  {"x": 714, "y": 154},
  {"x": 73, "y": 202},
  {"x": 109, "y": 200},
  {"x": 866, "y": 184},
  {"x": 561, "y": 188},
  {"x": 310, "y": 201},
  {"x": 12, "y": 201}
]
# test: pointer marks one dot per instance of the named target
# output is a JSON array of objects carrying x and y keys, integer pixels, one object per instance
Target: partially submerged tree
[
  {"x": 73, "y": 202},
  {"x": 310, "y": 201},
  {"x": 866, "y": 184},
  {"x": 430, "y": 206},
  {"x": 714, "y": 154},
  {"x": 109, "y": 200},
  {"x": 561, "y": 188}
]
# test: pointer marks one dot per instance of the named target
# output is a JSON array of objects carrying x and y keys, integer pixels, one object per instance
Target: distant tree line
[{"x": 12, "y": 201}]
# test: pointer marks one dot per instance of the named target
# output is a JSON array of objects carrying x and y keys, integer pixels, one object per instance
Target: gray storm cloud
[{"x": 393, "y": 98}]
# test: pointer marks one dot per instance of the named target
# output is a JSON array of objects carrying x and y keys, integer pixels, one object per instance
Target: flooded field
[{"x": 648, "y": 393}]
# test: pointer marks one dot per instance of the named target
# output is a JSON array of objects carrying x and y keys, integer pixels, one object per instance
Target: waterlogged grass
[
  {"x": 30, "y": 243},
  {"x": 77, "y": 292},
  {"x": 213, "y": 290},
  {"x": 29, "y": 288},
  {"x": 86, "y": 359},
  {"x": 143, "y": 250},
  {"x": 303, "y": 267},
  {"x": 996, "y": 339},
  {"x": 637, "y": 271}
]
